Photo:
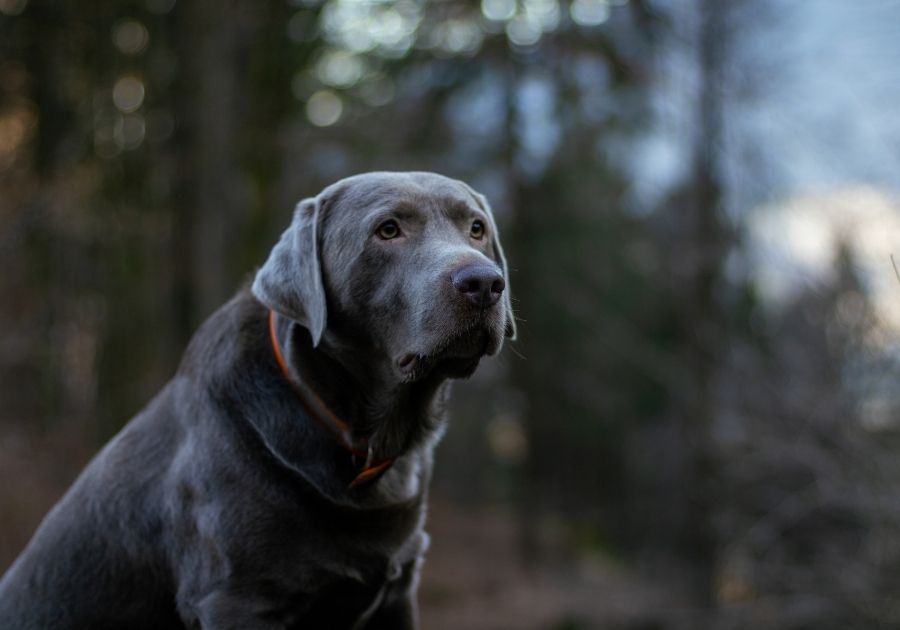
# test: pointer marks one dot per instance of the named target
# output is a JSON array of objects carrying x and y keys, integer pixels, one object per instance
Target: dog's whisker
[{"x": 304, "y": 409}]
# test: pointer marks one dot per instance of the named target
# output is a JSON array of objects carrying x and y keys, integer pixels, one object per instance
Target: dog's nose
[{"x": 481, "y": 284}]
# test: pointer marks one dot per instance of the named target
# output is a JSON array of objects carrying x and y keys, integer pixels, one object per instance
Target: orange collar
[{"x": 317, "y": 408}]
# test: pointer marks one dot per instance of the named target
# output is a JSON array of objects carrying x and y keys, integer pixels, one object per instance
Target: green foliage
[{"x": 150, "y": 152}]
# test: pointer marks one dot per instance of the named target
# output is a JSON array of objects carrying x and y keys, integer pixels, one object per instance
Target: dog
[{"x": 280, "y": 479}]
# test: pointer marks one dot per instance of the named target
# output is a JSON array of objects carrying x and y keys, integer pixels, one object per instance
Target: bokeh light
[
  {"x": 13, "y": 7},
  {"x": 15, "y": 127},
  {"x": 386, "y": 28},
  {"x": 498, "y": 10},
  {"x": 523, "y": 31},
  {"x": 456, "y": 37},
  {"x": 128, "y": 94},
  {"x": 545, "y": 13},
  {"x": 129, "y": 131},
  {"x": 340, "y": 68},
  {"x": 130, "y": 37},
  {"x": 712, "y": 376},
  {"x": 376, "y": 90},
  {"x": 589, "y": 12},
  {"x": 160, "y": 125},
  {"x": 507, "y": 439},
  {"x": 324, "y": 108}
]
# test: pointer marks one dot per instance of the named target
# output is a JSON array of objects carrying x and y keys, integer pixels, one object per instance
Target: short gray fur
[{"x": 222, "y": 504}]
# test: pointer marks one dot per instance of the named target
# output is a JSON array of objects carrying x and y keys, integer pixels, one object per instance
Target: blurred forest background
[{"x": 698, "y": 427}]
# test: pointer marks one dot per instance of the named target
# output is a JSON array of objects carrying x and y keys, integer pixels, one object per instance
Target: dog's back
[
  {"x": 96, "y": 561},
  {"x": 187, "y": 497},
  {"x": 279, "y": 480}
]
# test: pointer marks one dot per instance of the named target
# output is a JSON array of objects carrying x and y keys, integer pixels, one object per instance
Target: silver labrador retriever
[{"x": 279, "y": 480}]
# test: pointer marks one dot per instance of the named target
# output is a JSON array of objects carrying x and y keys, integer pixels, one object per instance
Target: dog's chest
[
  {"x": 337, "y": 586},
  {"x": 313, "y": 567}
]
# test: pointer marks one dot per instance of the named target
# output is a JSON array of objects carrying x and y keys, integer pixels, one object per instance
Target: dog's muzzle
[{"x": 480, "y": 284}]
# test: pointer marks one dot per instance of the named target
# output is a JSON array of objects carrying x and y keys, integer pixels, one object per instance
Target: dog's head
[{"x": 408, "y": 265}]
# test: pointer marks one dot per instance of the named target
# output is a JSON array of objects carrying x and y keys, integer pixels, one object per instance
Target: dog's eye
[
  {"x": 477, "y": 229},
  {"x": 388, "y": 230}
]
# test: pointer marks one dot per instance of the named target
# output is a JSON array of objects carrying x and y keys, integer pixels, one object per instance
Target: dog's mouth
[{"x": 457, "y": 357}]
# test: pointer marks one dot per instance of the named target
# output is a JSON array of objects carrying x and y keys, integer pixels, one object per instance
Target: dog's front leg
[
  {"x": 399, "y": 609},
  {"x": 400, "y": 614},
  {"x": 234, "y": 610}
]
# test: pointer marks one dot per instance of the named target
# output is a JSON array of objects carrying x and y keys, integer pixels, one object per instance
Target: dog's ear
[
  {"x": 290, "y": 282},
  {"x": 501, "y": 260}
]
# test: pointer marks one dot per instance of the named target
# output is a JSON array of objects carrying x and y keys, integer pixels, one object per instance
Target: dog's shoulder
[{"x": 237, "y": 329}]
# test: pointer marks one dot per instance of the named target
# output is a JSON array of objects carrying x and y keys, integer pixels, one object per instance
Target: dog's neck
[{"x": 391, "y": 416}]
